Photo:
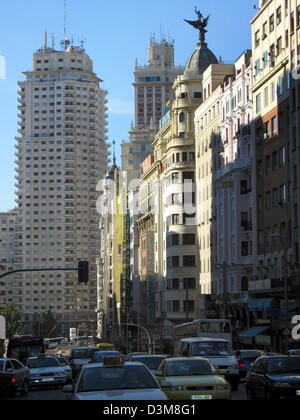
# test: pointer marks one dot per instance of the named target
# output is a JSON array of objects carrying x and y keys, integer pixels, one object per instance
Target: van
[{"x": 218, "y": 351}]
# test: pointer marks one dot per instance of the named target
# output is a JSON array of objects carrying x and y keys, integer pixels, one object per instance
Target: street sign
[
  {"x": 227, "y": 184},
  {"x": 2, "y": 328},
  {"x": 286, "y": 332}
]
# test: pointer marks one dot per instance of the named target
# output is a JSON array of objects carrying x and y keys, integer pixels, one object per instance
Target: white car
[
  {"x": 46, "y": 370},
  {"x": 67, "y": 368},
  {"x": 116, "y": 380}
]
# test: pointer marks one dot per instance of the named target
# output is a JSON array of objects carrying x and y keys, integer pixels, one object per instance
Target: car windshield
[
  {"x": 151, "y": 362},
  {"x": 116, "y": 378},
  {"x": 62, "y": 361},
  {"x": 1, "y": 365},
  {"x": 211, "y": 349},
  {"x": 190, "y": 368},
  {"x": 250, "y": 356},
  {"x": 43, "y": 363},
  {"x": 83, "y": 353},
  {"x": 99, "y": 357},
  {"x": 284, "y": 365},
  {"x": 295, "y": 352}
]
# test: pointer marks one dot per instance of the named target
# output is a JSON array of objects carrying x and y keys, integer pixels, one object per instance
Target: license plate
[
  {"x": 298, "y": 393},
  {"x": 48, "y": 380},
  {"x": 201, "y": 397}
]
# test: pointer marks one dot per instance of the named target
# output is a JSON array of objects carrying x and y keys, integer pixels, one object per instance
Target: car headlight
[
  {"x": 282, "y": 385},
  {"x": 176, "y": 388},
  {"x": 223, "y": 387}
]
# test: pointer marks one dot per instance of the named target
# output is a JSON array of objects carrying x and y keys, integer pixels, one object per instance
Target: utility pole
[{"x": 224, "y": 290}]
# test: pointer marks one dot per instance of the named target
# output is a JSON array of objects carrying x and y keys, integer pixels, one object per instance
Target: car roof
[
  {"x": 91, "y": 365},
  {"x": 183, "y": 359},
  {"x": 199, "y": 339},
  {"x": 42, "y": 357},
  {"x": 85, "y": 348},
  {"x": 153, "y": 356}
]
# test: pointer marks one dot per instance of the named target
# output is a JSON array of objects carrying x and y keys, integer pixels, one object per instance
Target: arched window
[{"x": 182, "y": 117}]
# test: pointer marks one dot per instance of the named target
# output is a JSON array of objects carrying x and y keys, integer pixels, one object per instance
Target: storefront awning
[
  {"x": 253, "y": 332},
  {"x": 262, "y": 304}
]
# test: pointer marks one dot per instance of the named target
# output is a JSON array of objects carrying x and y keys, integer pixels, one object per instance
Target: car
[
  {"x": 294, "y": 352},
  {"x": 218, "y": 351},
  {"x": 196, "y": 378},
  {"x": 115, "y": 380},
  {"x": 46, "y": 370},
  {"x": 67, "y": 368},
  {"x": 131, "y": 355},
  {"x": 151, "y": 361},
  {"x": 274, "y": 377},
  {"x": 98, "y": 356},
  {"x": 14, "y": 377},
  {"x": 246, "y": 358},
  {"x": 79, "y": 357}
]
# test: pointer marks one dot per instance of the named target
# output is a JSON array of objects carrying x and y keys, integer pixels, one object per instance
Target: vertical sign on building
[{"x": 127, "y": 268}]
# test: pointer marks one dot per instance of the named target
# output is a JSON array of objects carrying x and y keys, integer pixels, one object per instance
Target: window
[
  {"x": 182, "y": 117},
  {"x": 258, "y": 103},
  {"x": 282, "y": 156},
  {"x": 257, "y": 38},
  {"x": 266, "y": 96},
  {"x": 245, "y": 249},
  {"x": 278, "y": 15},
  {"x": 189, "y": 239},
  {"x": 272, "y": 23},
  {"x": 189, "y": 261},
  {"x": 189, "y": 284},
  {"x": 266, "y": 59},
  {"x": 257, "y": 67},
  {"x": 274, "y": 126}
]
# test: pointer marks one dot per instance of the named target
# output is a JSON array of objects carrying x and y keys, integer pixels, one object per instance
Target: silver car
[
  {"x": 115, "y": 380},
  {"x": 14, "y": 377},
  {"x": 46, "y": 370}
]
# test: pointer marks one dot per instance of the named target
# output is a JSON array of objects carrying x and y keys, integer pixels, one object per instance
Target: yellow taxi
[
  {"x": 192, "y": 379},
  {"x": 105, "y": 347}
]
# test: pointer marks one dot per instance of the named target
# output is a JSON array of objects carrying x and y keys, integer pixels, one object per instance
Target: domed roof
[{"x": 199, "y": 61}]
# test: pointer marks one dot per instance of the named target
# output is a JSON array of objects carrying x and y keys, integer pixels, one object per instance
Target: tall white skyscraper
[{"x": 61, "y": 155}]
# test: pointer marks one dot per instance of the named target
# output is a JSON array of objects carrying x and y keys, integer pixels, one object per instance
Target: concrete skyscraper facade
[
  {"x": 61, "y": 155},
  {"x": 152, "y": 91}
]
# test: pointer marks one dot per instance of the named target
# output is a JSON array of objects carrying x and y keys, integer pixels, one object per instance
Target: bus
[
  {"x": 23, "y": 347},
  {"x": 82, "y": 341},
  {"x": 211, "y": 328},
  {"x": 52, "y": 343}
]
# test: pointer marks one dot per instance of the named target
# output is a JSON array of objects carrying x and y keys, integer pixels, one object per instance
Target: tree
[
  {"x": 43, "y": 324},
  {"x": 12, "y": 316}
]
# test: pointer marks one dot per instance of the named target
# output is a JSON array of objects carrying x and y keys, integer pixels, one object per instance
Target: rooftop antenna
[
  {"x": 53, "y": 41},
  {"x": 65, "y": 19},
  {"x": 45, "y": 39}
]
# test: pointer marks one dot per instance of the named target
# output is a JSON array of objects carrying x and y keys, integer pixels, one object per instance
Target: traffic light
[
  {"x": 83, "y": 271},
  {"x": 110, "y": 325}
]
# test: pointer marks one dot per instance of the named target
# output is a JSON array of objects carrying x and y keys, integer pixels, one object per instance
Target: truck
[
  {"x": 23, "y": 347},
  {"x": 2, "y": 335}
]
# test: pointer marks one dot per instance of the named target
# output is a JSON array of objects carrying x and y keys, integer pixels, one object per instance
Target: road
[{"x": 50, "y": 394}]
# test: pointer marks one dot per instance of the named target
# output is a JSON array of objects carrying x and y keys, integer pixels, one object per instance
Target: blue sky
[{"x": 116, "y": 32}]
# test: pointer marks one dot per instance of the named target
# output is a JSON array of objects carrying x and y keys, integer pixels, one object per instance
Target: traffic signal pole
[{"x": 81, "y": 269}]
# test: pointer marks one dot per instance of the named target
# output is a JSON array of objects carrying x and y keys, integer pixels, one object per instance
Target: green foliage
[{"x": 12, "y": 316}]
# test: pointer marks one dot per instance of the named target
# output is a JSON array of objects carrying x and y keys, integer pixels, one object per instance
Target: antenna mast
[{"x": 65, "y": 19}]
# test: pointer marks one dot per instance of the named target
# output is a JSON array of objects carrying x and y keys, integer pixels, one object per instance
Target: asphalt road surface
[{"x": 50, "y": 394}]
